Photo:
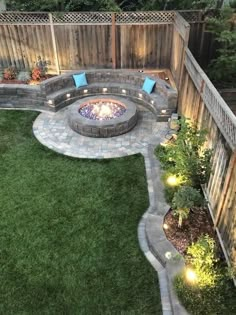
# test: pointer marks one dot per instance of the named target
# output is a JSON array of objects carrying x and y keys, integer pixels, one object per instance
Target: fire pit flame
[{"x": 102, "y": 110}]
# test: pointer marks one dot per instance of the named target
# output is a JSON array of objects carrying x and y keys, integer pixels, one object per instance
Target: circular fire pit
[{"x": 102, "y": 117}]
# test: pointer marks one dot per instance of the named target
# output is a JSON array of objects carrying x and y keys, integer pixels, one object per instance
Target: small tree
[{"x": 184, "y": 199}]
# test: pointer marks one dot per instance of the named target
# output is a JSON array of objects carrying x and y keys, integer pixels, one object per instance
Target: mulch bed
[
  {"x": 199, "y": 222},
  {"x": 29, "y": 82},
  {"x": 12, "y": 82}
]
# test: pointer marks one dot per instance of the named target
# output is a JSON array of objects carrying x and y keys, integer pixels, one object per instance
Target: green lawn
[{"x": 68, "y": 230}]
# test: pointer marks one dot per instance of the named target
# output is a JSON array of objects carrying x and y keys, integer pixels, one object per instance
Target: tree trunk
[{"x": 180, "y": 221}]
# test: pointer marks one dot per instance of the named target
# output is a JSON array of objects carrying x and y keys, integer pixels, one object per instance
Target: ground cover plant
[
  {"x": 68, "y": 230},
  {"x": 209, "y": 290}
]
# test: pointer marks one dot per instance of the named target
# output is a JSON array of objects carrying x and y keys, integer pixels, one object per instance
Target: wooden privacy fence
[
  {"x": 201, "y": 102},
  {"x": 77, "y": 40},
  {"x": 86, "y": 40}
]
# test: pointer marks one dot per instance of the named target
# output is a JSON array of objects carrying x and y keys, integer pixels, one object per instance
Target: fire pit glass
[{"x": 102, "y": 110}]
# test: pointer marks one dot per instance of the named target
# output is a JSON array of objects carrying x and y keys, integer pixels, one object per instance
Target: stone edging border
[{"x": 153, "y": 242}]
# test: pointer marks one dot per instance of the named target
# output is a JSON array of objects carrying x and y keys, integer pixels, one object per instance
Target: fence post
[
  {"x": 113, "y": 40},
  {"x": 186, "y": 39},
  {"x": 54, "y": 43}
]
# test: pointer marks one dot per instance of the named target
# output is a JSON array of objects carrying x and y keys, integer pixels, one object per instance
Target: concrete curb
[{"x": 152, "y": 239}]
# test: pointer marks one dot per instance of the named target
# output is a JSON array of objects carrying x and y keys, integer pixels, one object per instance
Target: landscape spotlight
[{"x": 172, "y": 180}]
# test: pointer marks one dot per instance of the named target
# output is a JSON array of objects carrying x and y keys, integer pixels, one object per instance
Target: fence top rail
[
  {"x": 222, "y": 114},
  {"x": 136, "y": 17}
]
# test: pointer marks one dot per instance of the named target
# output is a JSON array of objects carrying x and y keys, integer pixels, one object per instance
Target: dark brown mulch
[{"x": 199, "y": 222}]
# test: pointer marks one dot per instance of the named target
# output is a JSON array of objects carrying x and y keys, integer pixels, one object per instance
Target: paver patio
[{"x": 53, "y": 131}]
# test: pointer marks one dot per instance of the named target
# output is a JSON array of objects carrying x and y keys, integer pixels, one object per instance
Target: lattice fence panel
[
  {"x": 144, "y": 17},
  {"x": 224, "y": 118},
  {"x": 191, "y": 16},
  {"x": 196, "y": 15},
  {"x": 82, "y": 18},
  {"x": 23, "y": 18}
]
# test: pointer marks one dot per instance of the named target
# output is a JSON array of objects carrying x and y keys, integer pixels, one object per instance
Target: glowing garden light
[
  {"x": 165, "y": 226},
  {"x": 172, "y": 180},
  {"x": 168, "y": 255},
  {"x": 191, "y": 275}
]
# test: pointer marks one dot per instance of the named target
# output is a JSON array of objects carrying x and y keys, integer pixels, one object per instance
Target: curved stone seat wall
[
  {"x": 124, "y": 77},
  {"x": 22, "y": 96},
  {"x": 60, "y": 91}
]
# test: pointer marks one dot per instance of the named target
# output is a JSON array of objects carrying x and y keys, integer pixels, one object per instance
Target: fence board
[
  {"x": 86, "y": 46},
  {"x": 144, "y": 46},
  {"x": 21, "y": 44}
]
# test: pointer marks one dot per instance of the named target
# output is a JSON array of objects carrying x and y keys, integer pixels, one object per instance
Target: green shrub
[
  {"x": 202, "y": 257},
  {"x": 217, "y": 300},
  {"x": 162, "y": 154},
  {"x": 212, "y": 292},
  {"x": 184, "y": 199},
  {"x": 186, "y": 155},
  {"x": 169, "y": 193}
]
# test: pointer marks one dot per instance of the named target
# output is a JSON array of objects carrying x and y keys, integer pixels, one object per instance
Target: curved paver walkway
[{"x": 52, "y": 130}]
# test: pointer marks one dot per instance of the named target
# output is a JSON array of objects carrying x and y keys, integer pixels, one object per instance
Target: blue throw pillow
[
  {"x": 80, "y": 79},
  {"x": 148, "y": 85}
]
